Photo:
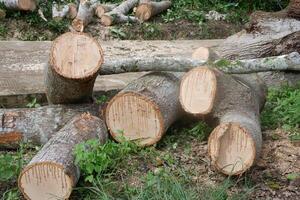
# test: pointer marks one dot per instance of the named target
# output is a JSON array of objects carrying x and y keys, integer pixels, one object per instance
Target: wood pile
[{"x": 144, "y": 110}]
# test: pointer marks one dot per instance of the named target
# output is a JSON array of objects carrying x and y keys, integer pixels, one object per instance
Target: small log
[
  {"x": 75, "y": 60},
  {"x": 101, "y": 9},
  {"x": 52, "y": 173},
  {"x": 19, "y": 4},
  {"x": 84, "y": 16},
  {"x": 233, "y": 103},
  {"x": 59, "y": 12},
  {"x": 143, "y": 111},
  {"x": 267, "y": 34},
  {"x": 118, "y": 14},
  {"x": 37, "y": 125},
  {"x": 147, "y": 9}
]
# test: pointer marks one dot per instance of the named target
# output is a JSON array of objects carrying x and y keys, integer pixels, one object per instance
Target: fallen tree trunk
[
  {"x": 147, "y": 9},
  {"x": 52, "y": 173},
  {"x": 233, "y": 104},
  {"x": 19, "y": 4},
  {"x": 267, "y": 34},
  {"x": 118, "y": 14},
  {"x": 84, "y": 16},
  {"x": 59, "y": 12},
  {"x": 37, "y": 125},
  {"x": 75, "y": 60},
  {"x": 101, "y": 9},
  {"x": 143, "y": 111}
]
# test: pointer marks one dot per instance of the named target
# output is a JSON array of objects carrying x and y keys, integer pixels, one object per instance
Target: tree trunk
[
  {"x": 19, "y": 4},
  {"x": 59, "y": 12},
  {"x": 84, "y": 16},
  {"x": 267, "y": 34},
  {"x": 233, "y": 103},
  {"x": 37, "y": 125},
  {"x": 75, "y": 61},
  {"x": 52, "y": 173},
  {"x": 101, "y": 9},
  {"x": 148, "y": 9},
  {"x": 143, "y": 111},
  {"x": 118, "y": 14}
]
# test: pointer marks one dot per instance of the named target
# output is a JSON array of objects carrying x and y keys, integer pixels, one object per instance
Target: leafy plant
[
  {"x": 118, "y": 33},
  {"x": 33, "y": 104},
  {"x": 3, "y": 30},
  {"x": 11, "y": 194},
  {"x": 101, "y": 99},
  {"x": 200, "y": 130}
]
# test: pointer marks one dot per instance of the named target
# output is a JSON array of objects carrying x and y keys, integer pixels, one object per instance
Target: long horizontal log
[{"x": 37, "y": 125}]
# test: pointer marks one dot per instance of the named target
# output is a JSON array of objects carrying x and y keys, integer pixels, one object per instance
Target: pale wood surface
[{"x": 22, "y": 64}]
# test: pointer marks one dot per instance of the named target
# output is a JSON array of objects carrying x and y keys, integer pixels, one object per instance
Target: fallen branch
[
  {"x": 37, "y": 125},
  {"x": 75, "y": 60},
  {"x": 147, "y": 9},
  {"x": 143, "y": 111},
  {"x": 101, "y": 9},
  {"x": 118, "y": 14},
  {"x": 84, "y": 16},
  {"x": 52, "y": 173},
  {"x": 19, "y": 4},
  {"x": 233, "y": 103}
]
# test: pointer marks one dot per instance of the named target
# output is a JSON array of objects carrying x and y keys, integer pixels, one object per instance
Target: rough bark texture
[
  {"x": 52, "y": 172},
  {"x": 233, "y": 103},
  {"x": 267, "y": 34},
  {"x": 72, "y": 51},
  {"x": 118, "y": 14},
  {"x": 148, "y": 9},
  {"x": 101, "y": 9},
  {"x": 20, "y": 4},
  {"x": 37, "y": 125},
  {"x": 144, "y": 110},
  {"x": 84, "y": 16}
]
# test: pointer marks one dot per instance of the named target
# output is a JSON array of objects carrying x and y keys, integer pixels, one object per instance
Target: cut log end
[
  {"x": 76, "y": 55},
  {"x": 202, "y": 53},
  {"x": 45, "y": 180},
  {"x": 78, "y": 25},
  {"x": 107, "y": 20},
  {"x": 134, "y": 117},
  {"x": 100, "y": 11},
  {"x": 231, "y": 148},
  {"x": 198, "y": 91},
  {"x": 144, "y": 12},
  {"x": 27, "y": 5}
]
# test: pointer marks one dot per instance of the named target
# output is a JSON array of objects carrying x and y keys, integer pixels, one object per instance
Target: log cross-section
[
  {"x": 75, "y": 60},
  {"x": 52, "y": 173},
  {"x": 148, "y": 9}
]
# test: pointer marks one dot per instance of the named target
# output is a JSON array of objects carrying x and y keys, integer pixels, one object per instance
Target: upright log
[
  {"x": 143, "y": 111},
  {"x": 233, "y": 103},
  {"x": 52, "y": 173},
  {"x": 20, "y": 4},
  {"x": 37, "y": 125},
  {"x": 84, "y": 16},
  {"x": 75, "y": 61},
  {"x": 148, "y": 9}
]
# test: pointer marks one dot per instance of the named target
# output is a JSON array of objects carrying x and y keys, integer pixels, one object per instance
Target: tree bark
[
  {"x": 37, "y": 125},
  {"x": 20, "y": 4},
  {"x": 52, "y": 173},
  {"x": 143, "y": 111},
  {"x": 233, "y": 103},
  {"x": 118, "y": 14},
  {"x": 75, "y": 61},
  {"x": 84, "y": 16},
  {"x": 267, "y": 34},
  {"x": 101, "y": 9},
  {"x": 147, "y": 9}
]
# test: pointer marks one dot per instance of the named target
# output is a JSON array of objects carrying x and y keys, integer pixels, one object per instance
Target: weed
[
  {"x": 118, "y": 33},
  {"x": 151, "y": 30},
  {"x": 11, "y": 194},
  {"x": 33, "y": 104},
  {"x": 102, "y": 99},
  {"x": 3, "y": 30}
]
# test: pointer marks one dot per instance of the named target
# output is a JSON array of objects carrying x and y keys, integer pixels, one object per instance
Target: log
[
  {"x": 267, "y": 34},
  {"x": 101, "y": 9},
  {"x": 84, "y": 16},
  {"x": 75, "y": 60},
  {"x": 147, "y": 9},
  {"x": 52, "y": 173},
  {"x": 143, "y": 111},
  {"x": 233, "y": 103},
  {"x": 118, "y": 14},
  {"x": 37, "y": 125},
  {"x": 20, "y": 4},
  {"x": 205, "y": 54},
  {"x": 59, "y": 12}
]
